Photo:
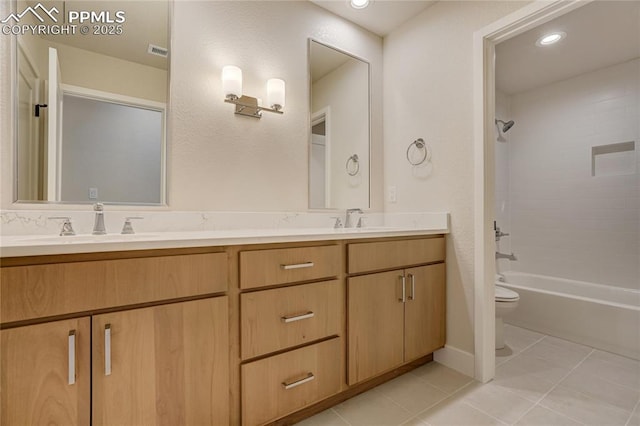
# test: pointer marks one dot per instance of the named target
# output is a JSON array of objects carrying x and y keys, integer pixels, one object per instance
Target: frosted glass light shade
[
  {"x": 232, "y": 81},
  {"x": 275, "y": 93}
]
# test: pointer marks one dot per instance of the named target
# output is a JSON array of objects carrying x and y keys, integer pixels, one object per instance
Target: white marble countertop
[{"x": 36, "y": 245}]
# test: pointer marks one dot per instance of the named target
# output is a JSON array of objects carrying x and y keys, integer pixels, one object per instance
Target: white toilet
[{"x": 506, "y": 302}]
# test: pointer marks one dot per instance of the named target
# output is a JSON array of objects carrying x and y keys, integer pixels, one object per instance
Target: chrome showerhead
[{"x": 505, "y": 126}]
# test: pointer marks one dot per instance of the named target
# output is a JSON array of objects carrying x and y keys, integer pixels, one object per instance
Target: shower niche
[{"x": 616, "y": 159}]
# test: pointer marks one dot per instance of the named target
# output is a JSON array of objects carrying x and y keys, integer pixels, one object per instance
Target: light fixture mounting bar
[{"x": 248, "y": 106}]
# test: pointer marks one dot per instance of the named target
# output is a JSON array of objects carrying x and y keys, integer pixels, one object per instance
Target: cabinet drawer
[
  {"x": 276, "y": 386},
  {"x": 46, "y": 290},
  {"x": 279, "y": 266},
  {"x": 272, "y": 320},
  {"x": 376, "y": 256}
]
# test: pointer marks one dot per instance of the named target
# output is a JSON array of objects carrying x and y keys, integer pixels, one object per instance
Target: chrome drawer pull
[
  {"x": 72, "y": 357},
  {"x": 412, "y": 296},
  {"x": 297, "y": 266},
  {"x": 107, "y": 350},
  {"x": 292, "y": 385},
  {"x": 293, "y": 318},
  {"x": 403, "y": 299}
]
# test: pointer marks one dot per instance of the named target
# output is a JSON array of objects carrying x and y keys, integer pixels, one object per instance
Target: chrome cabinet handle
[
  {"x": 72, "y": 357},
  {"x": 309, "y": 377},
  {"x": 107, "y": 350},
  {"x": 403, "y": 299},
  {"x": 297, "y": 266},
  {"x": 293, "y": 318},
  {"x": 412, "y": 296}
]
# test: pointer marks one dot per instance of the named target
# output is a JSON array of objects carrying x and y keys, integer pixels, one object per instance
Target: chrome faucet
[
  {"x": 67, "y": 227},
  {"x": 506, "y": 256},
  {"x": 98, "y": 225},
  {"x": 349, "y": 223}
]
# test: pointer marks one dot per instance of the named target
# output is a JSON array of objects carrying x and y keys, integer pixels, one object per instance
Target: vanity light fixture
[
  {"x": 359, "y": 4},
  {"x": 551, "y": 38},
  {"x": 248, "y": 105}
]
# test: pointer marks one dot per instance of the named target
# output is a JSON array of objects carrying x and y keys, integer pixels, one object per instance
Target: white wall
[
  {"x": 565, "y": 222},
  {"x": 346, "y": 93},
  {"x": 428, "y": 93},
  {"x": 219, "y": 161},
  {"x": 502, "y": 201}
]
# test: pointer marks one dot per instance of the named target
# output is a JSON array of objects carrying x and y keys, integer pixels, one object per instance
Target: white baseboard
[{"x": 457, "y": 359}]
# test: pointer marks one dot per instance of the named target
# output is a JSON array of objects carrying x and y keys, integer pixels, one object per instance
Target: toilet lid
[{"x": 504, "y": 294}]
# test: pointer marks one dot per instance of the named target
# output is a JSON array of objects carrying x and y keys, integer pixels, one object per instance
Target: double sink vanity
[{"x": 230, "y": 327}]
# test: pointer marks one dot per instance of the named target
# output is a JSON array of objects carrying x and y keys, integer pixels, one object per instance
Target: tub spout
[{"x": 506, "y": 256}]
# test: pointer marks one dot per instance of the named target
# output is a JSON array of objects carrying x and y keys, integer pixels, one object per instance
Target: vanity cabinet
[
  {"x": 163, "y": 361},
  {"x": 394, "y": 316},
  {"x": 246, "y": 334},
  {"x": 291, "y": 333}
]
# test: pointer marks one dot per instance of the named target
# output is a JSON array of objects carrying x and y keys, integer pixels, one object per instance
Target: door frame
[{"x": 484, "y": 42}]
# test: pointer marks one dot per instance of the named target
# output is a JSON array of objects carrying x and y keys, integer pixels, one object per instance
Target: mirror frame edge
[{"x": 369, "y": 84}]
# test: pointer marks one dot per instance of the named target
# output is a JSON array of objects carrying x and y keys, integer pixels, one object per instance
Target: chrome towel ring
[
  {"x": 421, "y": 146},
  {"x": 353, "y": 165}
]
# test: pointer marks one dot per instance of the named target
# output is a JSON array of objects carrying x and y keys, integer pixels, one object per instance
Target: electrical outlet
[
  {"x": 93, "y": 193},
  {"x": 393, "y": 194}
]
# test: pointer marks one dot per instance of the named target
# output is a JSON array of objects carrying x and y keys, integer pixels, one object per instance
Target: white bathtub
[{"x": 596, "y": 315}]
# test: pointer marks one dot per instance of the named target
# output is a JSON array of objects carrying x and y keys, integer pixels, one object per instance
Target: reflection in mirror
[
  {"x": 91, "y": 108},
  {"x": 339, "y": 143}
]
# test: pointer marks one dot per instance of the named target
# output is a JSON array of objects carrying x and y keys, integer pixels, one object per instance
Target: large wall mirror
[
  {"x": 339, "y": 151},
  {"x": 91, "y": 105}
]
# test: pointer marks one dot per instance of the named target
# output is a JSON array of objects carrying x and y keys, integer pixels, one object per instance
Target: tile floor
[{"x": 540, "y": 380}]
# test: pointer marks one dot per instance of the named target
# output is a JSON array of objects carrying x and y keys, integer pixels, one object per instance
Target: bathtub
[{"x": 596, "y": 315}]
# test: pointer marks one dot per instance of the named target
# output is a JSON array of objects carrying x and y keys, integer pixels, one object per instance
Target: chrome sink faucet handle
[
  {"x": 127, "y": 228},
  {"x": 349, "y": 223},
  {"x": 361, "y": 220},
  {"x": 338, "y": 222},
  {"x": 67, "y": 228},
  {"x": 98, "y": 225}
]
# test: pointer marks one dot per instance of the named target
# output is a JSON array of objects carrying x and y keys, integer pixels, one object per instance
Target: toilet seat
[{"x": 506, "y": 295}]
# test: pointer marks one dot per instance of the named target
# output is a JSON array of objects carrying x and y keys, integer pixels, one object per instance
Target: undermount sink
[
  {"x": 368, "y": 229},
  {"x": 71, "y": 239}
]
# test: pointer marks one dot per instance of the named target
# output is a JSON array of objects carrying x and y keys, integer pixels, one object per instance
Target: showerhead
[{"x": 505, "y": 126}]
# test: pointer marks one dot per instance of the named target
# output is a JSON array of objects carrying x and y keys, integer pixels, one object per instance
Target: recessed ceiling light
[
  {"x": 551, "y": 38},
  {"x": 359, "y": 4}
]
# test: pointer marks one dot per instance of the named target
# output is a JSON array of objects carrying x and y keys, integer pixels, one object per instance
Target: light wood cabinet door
[
  {"x": 164, "y": 365},
  {"x": 424, "y": 322},
  {"x": 36, "y": 362},
  {"x": 375, "y": 324}
]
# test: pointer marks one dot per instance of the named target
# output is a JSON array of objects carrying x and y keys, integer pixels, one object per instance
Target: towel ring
[
  {"x": 421, "y": 145},
  {"x": 353, "y": 165}
]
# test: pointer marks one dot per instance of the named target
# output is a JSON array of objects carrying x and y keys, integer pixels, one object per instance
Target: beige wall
[
  {"x": 219, "y": 161},
  {"x": 428, "y": 93}
]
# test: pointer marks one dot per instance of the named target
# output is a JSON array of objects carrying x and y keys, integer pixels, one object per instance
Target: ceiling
[
  {"x": 146, "y": 22},
  {"x": 381, "y": 16},
  {"x": 600, "y": 34}
]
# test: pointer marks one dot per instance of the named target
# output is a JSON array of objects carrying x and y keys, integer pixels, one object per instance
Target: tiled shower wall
[{"x": 564, "y": 221}]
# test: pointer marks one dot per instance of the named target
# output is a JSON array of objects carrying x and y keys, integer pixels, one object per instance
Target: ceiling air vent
[{"x": 158, "y": 51}]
